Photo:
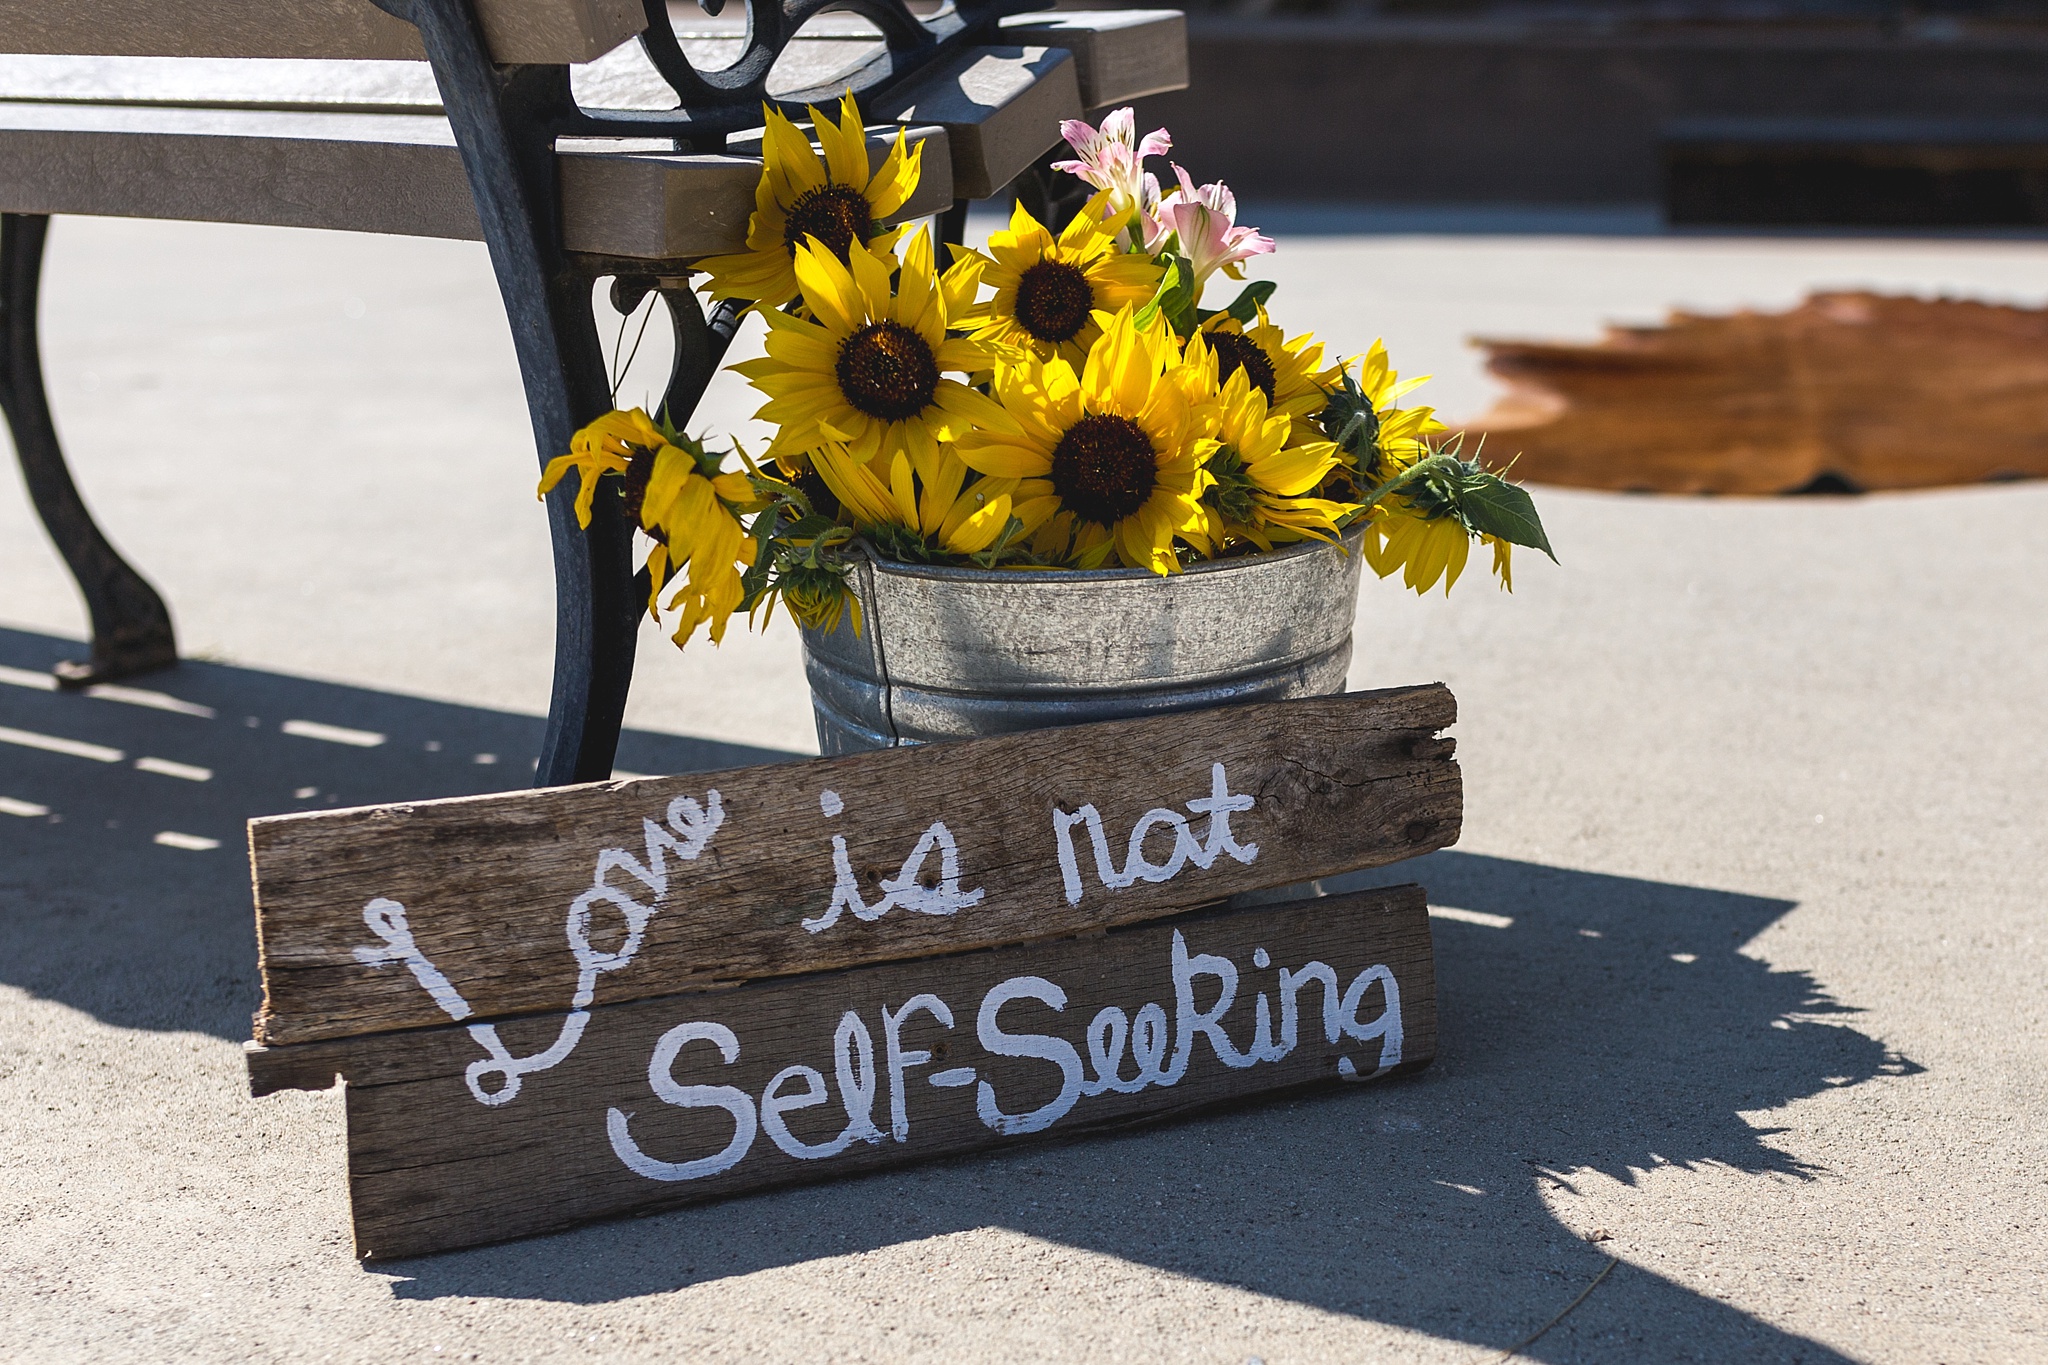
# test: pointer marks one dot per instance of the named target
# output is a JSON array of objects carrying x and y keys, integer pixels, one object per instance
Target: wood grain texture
[
  {"x": 488, "y": 884},
  {"x": 1851, "y": 390},
  {"x": 431, "y": 1168},
  {"x": 539, "y": 31}
]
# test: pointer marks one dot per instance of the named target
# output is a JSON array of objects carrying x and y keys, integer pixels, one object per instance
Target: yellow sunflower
[
  {"x": 680, "y": 498},
  {"x": 1286, "y": 369},
  {"x": 1119, "y": 443},
  {"x": 1259, "y": 479},
  {"x": 959, "y": 517},
  {"x": 1053, "y": 294},
  {"x": 869, "y": 373},
  {"x": 802, "y": 197},
  {"x": 1402, "y": 432}
]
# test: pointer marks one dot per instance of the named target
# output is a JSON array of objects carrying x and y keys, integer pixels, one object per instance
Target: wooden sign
[{"x": 515, "y": 986}]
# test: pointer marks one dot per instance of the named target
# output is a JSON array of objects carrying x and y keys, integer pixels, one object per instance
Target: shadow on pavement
[
  {"x": 97, "y": 914},
  {"x": 1590, "y": 1024}
]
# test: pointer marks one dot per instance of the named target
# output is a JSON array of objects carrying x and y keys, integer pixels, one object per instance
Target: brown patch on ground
[{"x": 1846, "y": 391}]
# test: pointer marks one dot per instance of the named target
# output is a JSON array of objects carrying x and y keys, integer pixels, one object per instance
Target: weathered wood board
[
  {"x": 411, "y": 916},
  {"x": 706, "y": 1094}
]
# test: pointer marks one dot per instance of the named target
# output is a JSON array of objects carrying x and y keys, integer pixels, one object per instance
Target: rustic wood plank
[
  {"x": 906, "y": 1062},
  {"x": 518, "y": 903}
]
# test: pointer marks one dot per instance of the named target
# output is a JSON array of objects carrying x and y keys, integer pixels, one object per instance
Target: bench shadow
[
  {"x": 1592, "y": 1026},
  {"x": 96, "y": 914}
]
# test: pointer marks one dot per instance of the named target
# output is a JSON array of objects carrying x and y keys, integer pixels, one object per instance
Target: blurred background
[{"x": 1837, "y": 112}]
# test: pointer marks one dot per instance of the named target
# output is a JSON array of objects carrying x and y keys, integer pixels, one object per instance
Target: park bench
[{"x": 542, "y": 128}]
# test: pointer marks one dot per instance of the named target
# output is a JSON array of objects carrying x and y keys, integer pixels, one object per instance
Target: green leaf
[
  {"x": 1168, "y": 283},
  {"x": 1491, "y": 505},
  {"x": 1245, "y": 308},
  {"x": 1177, "y": 296}
]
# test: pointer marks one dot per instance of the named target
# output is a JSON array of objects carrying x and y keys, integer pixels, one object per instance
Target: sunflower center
[
  {"x": 1236, "y": 351},
  {"x": 888, "y": 371},
  {"x": 1104, "y": 468},
  {"x": 1053, "y": 300},
  {"x": 837, "y": 215}
]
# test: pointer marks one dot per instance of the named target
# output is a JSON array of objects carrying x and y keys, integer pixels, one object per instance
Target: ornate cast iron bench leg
[
  {"x": 504, "y": 120},
  {"x": 131, "y": 628}
]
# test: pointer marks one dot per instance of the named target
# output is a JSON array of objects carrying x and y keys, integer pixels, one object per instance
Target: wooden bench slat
[
  {"x": 398, "y": 174},
  {"x": 195, "y": 142},
  {"x": 620, "y": 80},
  {"x": 1121, "y": 55},
  {"x": 387, "y": 173},
  {"x": 1001, "y": 106},
  {"x": 369, "y": 87},
  {"x": 538, "y": 31}
]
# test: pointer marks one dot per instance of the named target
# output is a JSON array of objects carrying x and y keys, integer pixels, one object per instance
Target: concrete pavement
[{"x": 1741, "y": 954}]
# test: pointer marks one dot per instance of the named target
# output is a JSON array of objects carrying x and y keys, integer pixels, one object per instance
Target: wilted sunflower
[
  {"x": 1427, "y": 548},
  {"x": 869, "y": 373},
  {"x": 802, "y": 197},
  {"x": 673, "y": 490},
  {"x": 1287, "y": 370},
  {"x": 1120, "y": 444},
  {"x": 1260, "y": 481},
  {"x": 1050, "y": 292}
]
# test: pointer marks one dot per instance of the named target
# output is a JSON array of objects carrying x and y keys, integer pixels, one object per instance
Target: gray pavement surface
[{"x": 1741, "y": 956}]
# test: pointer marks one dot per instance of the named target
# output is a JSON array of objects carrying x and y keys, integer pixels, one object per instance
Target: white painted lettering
[
  {"x": 906, "y": 890},
  {"x": 693, "y": 826},
  {"x": 1108, "y": 1032},
  {"x": 1188, "y": 1021},
  {"x": 899, "y": 1059},
  {"x": 1043, "y": 1046},
  {"x": 386, "y": 919},
  {"x": 1187, "y": 851},
  {"x": 1291, "y": 982},
  {"x": 853, "y": 1065},
  {"x": 1150, "y": 1036},
  {"x": 661, "y": 1077},
  {"x": 1386, "y": 1026},
  {"x": 774, "y": 1104}
]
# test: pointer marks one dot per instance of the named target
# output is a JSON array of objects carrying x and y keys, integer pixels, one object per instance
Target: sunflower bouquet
[{"x": 1060, "y": 400}]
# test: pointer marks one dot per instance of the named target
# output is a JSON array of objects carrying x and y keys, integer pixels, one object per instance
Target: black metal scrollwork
[{"x": 722, "y": 101}]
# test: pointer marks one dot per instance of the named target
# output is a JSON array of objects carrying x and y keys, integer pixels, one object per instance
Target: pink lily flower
[
  {"x": 1205, "y": 220},
  {"x": 1111, "y": 158}
]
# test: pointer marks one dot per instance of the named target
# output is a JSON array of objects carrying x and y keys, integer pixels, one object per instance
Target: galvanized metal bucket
[{"x": 952, "y": 653}]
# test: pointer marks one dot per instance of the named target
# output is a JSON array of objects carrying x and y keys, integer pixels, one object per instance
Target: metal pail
[{"x": 950, "y": 653}]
